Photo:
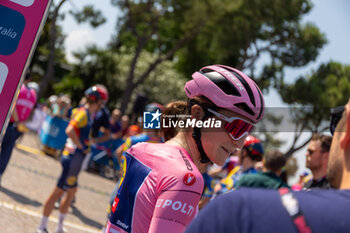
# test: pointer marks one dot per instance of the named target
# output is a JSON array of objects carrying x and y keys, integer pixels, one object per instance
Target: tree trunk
[
  {"x": 50, "y": 71},
  {"x": 126, "y": 97},
  {"x": 295, "y": 148},
  {"x": 131, "y": 85}
]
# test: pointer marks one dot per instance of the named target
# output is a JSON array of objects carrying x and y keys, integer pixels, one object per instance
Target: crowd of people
[
  {"x": 26, "y": 101},
  {"x": 198, "y": 179}
]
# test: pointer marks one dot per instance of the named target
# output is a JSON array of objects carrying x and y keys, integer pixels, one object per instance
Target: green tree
[
  {"x": 41, "y": 54},
  {"x": 311, "y": 98},
  {"x": 164, "y": 84},
  {"x": 50, "y": 71},
  {"x": 94, "y": 66},
  {"x": 87, "y": 14},
  {"x": 108, "y": 68},
  {"x": 197, "y": 33}
]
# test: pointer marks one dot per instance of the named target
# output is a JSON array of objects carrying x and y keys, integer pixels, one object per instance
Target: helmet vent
[
  {"x": 245, "y": 84},
  {"x": 221, "y": 82},
  {"x": 245, "y": 108}
]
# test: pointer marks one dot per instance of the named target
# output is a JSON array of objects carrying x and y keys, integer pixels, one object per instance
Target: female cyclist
[
  {"x": 161, "y": 185},
  {"x": 72, "y": 157}
]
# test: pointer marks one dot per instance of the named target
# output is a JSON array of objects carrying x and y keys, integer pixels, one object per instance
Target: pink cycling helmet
[{"x": 229, "y": 89}]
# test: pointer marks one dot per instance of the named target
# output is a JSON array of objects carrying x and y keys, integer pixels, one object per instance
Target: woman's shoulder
[
  {"x": 170, "y": 163},
  {"x": 162, "y": 155},
  {"x": 159, "y": 151}
]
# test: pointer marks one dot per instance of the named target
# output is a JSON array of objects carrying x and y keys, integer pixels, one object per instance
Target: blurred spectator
[
  {"x": 303, "y": 178},
  {"x": 317, "y": 159},
  {"x": 139, "y": 122},
  {"x": 116, "y": 127},
  {"x": 100, "y": 129},
  {"x": 133, "y": 130},
  {"x": 82, "y": 102},
  {"x": 38, "y": 114},
  {"x": 125, "y": 121},
  {"x": 61, "y": 107},
  {"x": 26, "y": 101},
  {"x": 265, "y": 211},
  {"x": 259, "y": 166},
  {"x": 34, "y": 86},
  {"x": 273, "y": 162},
  {"x": 221, "y": 172},
  {"x": 76, "y": 148},
  {"x": 209, "y": 184},
  {"x": 52, "y": 100},
  {"x": 251, "y": 152}
]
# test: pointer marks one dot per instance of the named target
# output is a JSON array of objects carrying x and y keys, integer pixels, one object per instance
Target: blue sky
[{"x": 331, "y": 17}]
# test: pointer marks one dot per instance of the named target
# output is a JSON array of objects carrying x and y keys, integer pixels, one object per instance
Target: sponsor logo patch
[
  {"x": 189, "y": 179},
  {"x": 115, "y": 204}
]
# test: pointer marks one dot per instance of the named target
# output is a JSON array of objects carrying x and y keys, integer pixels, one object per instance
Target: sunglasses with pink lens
[{"x": 235, "y": 126}]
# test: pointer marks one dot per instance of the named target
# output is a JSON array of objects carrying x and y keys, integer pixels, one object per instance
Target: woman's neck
[{"x": 185, "y": 140}]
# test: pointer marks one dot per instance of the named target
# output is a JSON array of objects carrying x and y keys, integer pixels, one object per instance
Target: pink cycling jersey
[
  {"x": 159, "y": 190},
  {"x": 25, "y": 102}
]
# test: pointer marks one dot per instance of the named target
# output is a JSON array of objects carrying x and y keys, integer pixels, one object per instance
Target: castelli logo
[
  {"x": 115, "y": 204},
  {"x": 189, "y": 179}
]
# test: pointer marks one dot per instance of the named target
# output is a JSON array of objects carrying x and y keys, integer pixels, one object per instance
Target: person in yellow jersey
[{"x": 76, "y": 148}]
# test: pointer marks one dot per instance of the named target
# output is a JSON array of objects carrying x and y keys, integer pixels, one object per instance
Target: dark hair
[
  {"x": 202, "y": 101},
  {"x": 325, "y": 140},
  {"x": 173, "y": 108},
  {"x": 274, "y": 160},
  {"x": 91, "y": 100},
  {"x": 256, "y": 158},
  {"x": 284, "y": 176},
  {"x": 177, "y": 108}
]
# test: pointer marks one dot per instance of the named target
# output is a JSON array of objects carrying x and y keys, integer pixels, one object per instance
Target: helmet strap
[{"x": 196, "y": 135}]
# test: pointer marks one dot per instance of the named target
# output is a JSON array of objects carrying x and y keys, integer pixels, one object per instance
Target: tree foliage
[
  {"x": 89, "y": 15},
  {"x": 94, "y": 66},
  {"x": 40, "y": 57},
  {"x": 236, "y": 33},
  {"x": 53, "y": 41},
  {"x": 153, "y": 26},
  {"x": 103, "y": 66},
  {"x": 239, "y": 36},
  {"x": 312, "y": 97}
]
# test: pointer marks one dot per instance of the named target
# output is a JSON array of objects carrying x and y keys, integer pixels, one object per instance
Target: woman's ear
[{"x": 197, "y": 112}]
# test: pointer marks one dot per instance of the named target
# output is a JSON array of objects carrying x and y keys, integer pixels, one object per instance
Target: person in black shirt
[{"x": 317, "y": 160}]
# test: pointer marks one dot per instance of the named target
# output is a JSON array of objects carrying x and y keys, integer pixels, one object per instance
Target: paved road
[{"x": 29, "y": 179}]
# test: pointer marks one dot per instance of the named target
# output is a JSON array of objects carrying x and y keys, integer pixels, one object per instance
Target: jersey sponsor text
[
  {"x": 175, "y": 206},
  {"x": 188, "y": 164},
  {"x": 123, "y": 225}
]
